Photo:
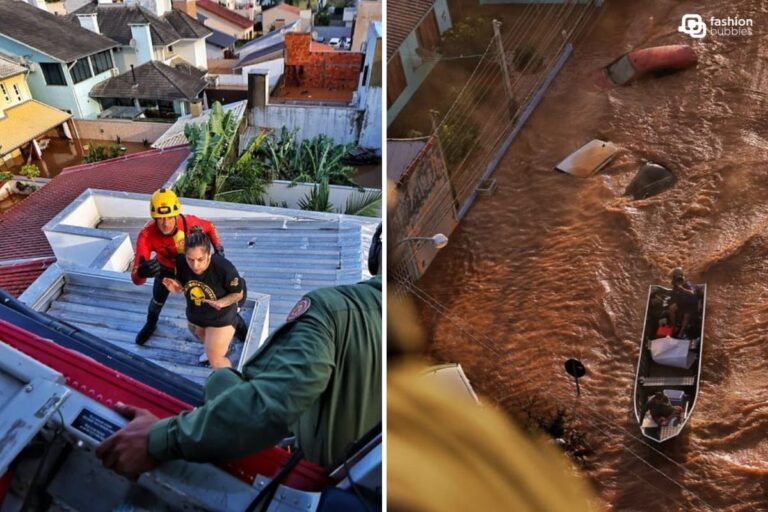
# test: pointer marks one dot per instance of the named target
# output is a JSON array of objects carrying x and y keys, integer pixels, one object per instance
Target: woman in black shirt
[{"x": 213, "y": 289}]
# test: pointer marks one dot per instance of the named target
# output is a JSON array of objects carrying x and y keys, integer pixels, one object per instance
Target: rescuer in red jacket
[{"x": 165, "y": 236}]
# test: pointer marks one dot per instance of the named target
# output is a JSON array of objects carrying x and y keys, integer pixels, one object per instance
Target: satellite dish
[
  {"x": 133, "y": 43},
  {"x": 315, "y": 35}
]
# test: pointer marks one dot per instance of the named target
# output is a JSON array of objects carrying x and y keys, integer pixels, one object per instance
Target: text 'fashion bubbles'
[{"x": 693, "y": 25}]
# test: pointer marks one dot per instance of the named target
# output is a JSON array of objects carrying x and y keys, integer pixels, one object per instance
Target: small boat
[
  {"x": 633, "y": 65},
  {"x": 669, "y": 365}
]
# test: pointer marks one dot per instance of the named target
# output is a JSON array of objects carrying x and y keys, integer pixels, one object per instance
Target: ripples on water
[{"x": 552, "y": 267}]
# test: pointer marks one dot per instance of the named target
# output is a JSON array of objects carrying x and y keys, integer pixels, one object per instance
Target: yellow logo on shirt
[{"x": 197, "y": 291}]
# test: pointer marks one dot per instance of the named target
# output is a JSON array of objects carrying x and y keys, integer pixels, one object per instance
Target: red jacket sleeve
[{"x": 143, "y": 250}]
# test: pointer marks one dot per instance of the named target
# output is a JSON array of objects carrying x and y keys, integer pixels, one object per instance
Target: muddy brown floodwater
[{"x": 552, "y": 267}]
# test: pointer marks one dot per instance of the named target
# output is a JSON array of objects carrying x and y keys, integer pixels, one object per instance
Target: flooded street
[{"x": 552, "y": 266}]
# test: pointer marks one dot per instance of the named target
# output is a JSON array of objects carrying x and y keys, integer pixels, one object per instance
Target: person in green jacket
[{"x": 318, "y": 376}]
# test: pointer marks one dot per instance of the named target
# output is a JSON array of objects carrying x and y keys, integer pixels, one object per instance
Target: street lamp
[{"x": 439, "y": 240}]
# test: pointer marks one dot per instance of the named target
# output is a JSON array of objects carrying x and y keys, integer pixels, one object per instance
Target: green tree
[{"x": 30, "y": 171}]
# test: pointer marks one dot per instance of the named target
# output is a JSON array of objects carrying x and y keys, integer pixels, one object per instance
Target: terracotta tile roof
[
  {"x": 17, "y": 275},
  {"x": 224, "y": 13},
  {"x": 21, "y": 226},
  {"x": 403, "y": 16}
]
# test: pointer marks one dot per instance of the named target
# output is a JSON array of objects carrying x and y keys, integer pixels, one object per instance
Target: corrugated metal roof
[
  {"x": 265, "y": 41},
  {"x": 174, "y": 136},
  {"x": 26, "y": 121},
  {"x": 115, "y": 310},
  {"x": 284, "y": 259},
  {"x": 403, "y": 16}
]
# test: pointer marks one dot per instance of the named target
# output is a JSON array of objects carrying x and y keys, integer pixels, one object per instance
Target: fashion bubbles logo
[{"x": 695, "y": 26}]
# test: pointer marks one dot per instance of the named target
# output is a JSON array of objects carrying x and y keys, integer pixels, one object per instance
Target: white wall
[
  {"x": 123, "y": 59},
  {"x": 279, "y": 191},
  {"x": 128, "y": 131},
  {"x": 275, "y": 67},
  {"x": 193, "y": 52},
  {"x": 370, "y": 131},
  {"x": 214, "y": 52},
  {"x": 443, "y": 16},
  {"x": 339, "y": 123},
  {"x": 416, "y": 69}
]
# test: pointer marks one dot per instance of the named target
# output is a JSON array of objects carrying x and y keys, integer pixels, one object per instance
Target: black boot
[
  {"x": 153, "y": 314},
  {"x": 241, "y": 328}
]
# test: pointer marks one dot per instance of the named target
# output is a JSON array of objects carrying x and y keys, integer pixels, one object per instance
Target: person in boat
[
  {"x": 661, "y": 409},
  {"x": 319, "y": 376},
  {"x": 214, "y": 290},
  {"x": 684, "y": 304},
  {"x": 165, "y": 236}
]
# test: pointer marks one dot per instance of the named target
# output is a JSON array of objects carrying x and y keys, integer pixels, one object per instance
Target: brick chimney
[{"x": 187, "y": 6}]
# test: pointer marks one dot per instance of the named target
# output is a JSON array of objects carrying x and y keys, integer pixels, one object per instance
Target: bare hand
[
  {"x": 127, "y": 450},
  {"x": 215, "y": 304},
  {"x": 173, "y": 285}
]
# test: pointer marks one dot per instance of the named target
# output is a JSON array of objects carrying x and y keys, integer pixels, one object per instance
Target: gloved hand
[
  {"x": 220, "y": 251},
  {"x": 149, "y": 268}
]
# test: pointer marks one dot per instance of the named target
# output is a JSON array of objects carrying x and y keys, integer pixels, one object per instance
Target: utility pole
[
  {"x": 503, "y": 63},
  {"x": 434, "y": 117}
]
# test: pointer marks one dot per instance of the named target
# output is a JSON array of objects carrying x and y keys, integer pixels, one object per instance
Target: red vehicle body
[{"x": 637, "y": 63}]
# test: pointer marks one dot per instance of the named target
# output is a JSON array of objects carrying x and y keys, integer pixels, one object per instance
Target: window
[
  {"x": 5, "y": 93},
  {"x": 52, "y": 73},
  {"x": 170, "y": 49},
  {"x": 101, "y": 62},
  {"x": 427, "y": 33},
  {"x": 365, "y": 75},
  {"x": 17, "y": 92},
  {"x": 395, "y": 79},
  {"x": 81, "y": 70}
]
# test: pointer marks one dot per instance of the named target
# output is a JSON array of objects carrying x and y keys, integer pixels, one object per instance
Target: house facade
[
  {"x": 24, "y": 121},
  {"x": 65, "y": 62},
  {"x": 218, "y": 17},
  {"x": 369, "y": 89},
  {"x": 414, "y": 29},
  {"x": 279, "y": 16},
  {"x": 368, "y": 11},
  {"x": 164, "y": 34}
]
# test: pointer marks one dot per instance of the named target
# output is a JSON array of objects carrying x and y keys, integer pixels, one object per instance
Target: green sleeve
[{"x": 283, "y": 382}]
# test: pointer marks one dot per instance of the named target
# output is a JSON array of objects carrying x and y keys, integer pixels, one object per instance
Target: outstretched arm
[{"x": 286, "y": 379}]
